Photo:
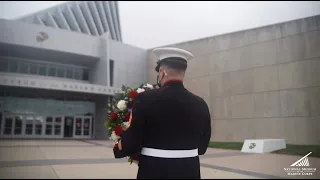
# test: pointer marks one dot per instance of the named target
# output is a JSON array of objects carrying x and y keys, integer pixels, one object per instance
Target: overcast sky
[{"x": 151, "y": 24}]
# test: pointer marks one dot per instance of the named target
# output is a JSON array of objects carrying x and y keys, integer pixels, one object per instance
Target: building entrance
[
  {"x": 68, "y": 127},
  {"x": 82, "y": 127},
  {"x": 42, "y": 118},
  {"x": 29, "y": 126},
  {"x": 77, "y": 127}
]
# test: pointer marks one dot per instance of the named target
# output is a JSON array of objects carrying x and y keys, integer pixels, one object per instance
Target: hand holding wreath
[{"x": 120, "y": 117}]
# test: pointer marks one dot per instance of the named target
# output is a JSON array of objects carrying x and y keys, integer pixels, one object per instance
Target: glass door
[
  {"x": 68, "y": 127},
  {"x": 87, "y": 126},
  {"x": 12, "y": 126},
  {"x": 8, "y": 125},
  {"x": 48, "y": 126},
  {"x": 77, "y": 127},
  {"x": 29, "y": 126},
  {"x": 82, "y": 127},
  {"x": 58, "y": 126},
  {"x": 39, "y": 126},
  {"x": 18, "y": 126},
  {"x": 54, "y": 127}
]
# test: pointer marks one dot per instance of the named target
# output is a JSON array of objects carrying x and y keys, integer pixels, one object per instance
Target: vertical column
[
  {"x": 108, "y": 37},
  {"x": 62, "y": 127},
  {"x": 100, "y": 72}
]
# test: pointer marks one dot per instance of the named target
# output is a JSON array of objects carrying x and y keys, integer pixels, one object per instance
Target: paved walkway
[{"x": 54, "y": 159}]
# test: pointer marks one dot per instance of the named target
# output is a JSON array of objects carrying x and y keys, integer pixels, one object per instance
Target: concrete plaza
[{"x": 66, "y": 159}]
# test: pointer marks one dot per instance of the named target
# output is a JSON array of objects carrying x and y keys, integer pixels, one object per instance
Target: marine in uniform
[{"x": 170, "y": 126}]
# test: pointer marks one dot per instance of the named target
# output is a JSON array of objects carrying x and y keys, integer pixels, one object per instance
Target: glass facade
[
  {"x": 45, "y": 118},
  {"x": 50, "y": 107},
  {"x": 42, "y": 68}
]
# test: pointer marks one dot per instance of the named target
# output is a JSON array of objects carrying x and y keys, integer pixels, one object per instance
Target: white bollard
[{"x": 263, "y": 145}]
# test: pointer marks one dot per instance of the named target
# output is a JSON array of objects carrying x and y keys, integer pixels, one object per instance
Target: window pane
[
  {"x": 38, "y": 125},
  {"x": 48, "y": 129},
  {"x": 57, "y": 127},
  {"x": 24, "y": 68},
  {"x": 86, "y": 127},
  {"x": 58, "y": 120},
  {"x": 78, "y": 126},
  {"x": 52, "y": 71},
  {"x": 29, "y": 127},
  {"x": 70, "y": 73},
  {"x": 60, "y": 72},
  {"x": 18, "y": 125},
  {"x": 49, "y": 119},
  {"x": 85, "y": 75},
  {"x": 3, "y": 66},
  {"x": 43, "y": 70},
  {"x": 38, "y": 130},
  {"x": 57, "y": 130},
  {"x": 78, "y": 74},
  {"x": 13, "y": 66},
  {"x": 33, "y": 68},
  {"x": 8, "y": 125}
]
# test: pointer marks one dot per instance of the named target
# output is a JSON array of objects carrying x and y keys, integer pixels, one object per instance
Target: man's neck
[{"x": 173, "y": 79}]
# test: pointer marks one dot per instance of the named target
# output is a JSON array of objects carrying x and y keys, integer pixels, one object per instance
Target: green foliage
[
  {"x": 226, "y": 145},
  {"x": 291, "y": 149},
  {"x": 300, "y": 150},
  {"x": 130, "y": 160}
]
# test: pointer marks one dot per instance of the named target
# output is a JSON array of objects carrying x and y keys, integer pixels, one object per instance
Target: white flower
[
  {"x": 148, "y": 86},
  {"x": 122, "y": 105},
  {"x": 125, "y": 125},
  {"x": 114, "y": 136},
  {"x": 140, "y": 90}
]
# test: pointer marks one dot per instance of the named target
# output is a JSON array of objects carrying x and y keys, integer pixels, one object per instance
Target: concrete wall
[
  {"x": 19, "y": 33},
  {"x": 259, "y": 83},
  {"x": 130, "y": 64}
]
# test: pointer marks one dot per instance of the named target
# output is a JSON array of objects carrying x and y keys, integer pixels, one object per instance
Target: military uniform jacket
[{"x": 169, "y": 118}]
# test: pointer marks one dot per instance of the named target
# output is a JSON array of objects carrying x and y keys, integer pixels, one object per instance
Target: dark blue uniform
[{"x": 169, "y": 118}]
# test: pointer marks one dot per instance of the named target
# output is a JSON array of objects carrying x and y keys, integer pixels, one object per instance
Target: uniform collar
[{"x": 173, "y": 83}]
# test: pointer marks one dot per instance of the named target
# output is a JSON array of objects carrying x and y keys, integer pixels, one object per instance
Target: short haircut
[{"x": 175, "y": 63}]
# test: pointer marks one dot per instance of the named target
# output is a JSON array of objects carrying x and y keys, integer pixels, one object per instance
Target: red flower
[
  {"x": 118, "y": 130},
  {"x": 133, "y": 94},
  {"x": 127, "y": 117},
  {"x": 114, "y": 115}
]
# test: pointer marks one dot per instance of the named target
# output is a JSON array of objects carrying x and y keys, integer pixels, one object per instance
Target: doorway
[
  {"x": 82, "y": 127},
  {"x": 68, "y": 126}
]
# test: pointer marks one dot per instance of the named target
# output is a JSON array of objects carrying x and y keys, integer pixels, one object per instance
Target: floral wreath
[{"x": 120, "y": 117}]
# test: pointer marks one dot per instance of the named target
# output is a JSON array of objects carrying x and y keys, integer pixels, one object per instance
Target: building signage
[
  {"x": 42, "y": 36},
  {"x": 8, "y": 80}
]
